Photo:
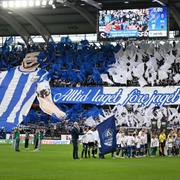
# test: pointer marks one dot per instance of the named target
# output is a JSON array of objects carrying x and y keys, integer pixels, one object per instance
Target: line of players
[
  {"x": 134, "y": 144},
  {"x": 37, "y": 139},
  {"x": 90, "y": 142},
  {"x": 130, "y": 145}
]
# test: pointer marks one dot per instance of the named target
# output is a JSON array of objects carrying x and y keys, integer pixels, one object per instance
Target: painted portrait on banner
[{"x": 20, "y": 86}]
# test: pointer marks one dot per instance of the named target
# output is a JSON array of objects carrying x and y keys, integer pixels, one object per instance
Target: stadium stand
[{"x": 124, "y": 63}]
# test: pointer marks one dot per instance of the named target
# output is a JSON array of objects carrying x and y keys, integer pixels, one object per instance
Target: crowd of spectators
[
  {"x": 84, "y": 64},
  {"x": 135, "y": 64},
  {"x": 125, "y": 64},
  {"x": 125, "y": 19}
]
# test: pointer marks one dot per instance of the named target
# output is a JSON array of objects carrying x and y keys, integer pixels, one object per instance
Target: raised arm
[{"x": 47, "y": 105}]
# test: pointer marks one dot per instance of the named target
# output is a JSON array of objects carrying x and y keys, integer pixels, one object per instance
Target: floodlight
[
  {"x": 50, "y": 2},
  {"x": 4, "y": 4},
  {"x": 11, "y": 4},
  {"x": 37, "y": 3},
  {"x": 31, "y": 3},
  {"x": 44, "y": 2},
  {"x": 18, "y": 4},
  {"x": 24, "y": 4}
]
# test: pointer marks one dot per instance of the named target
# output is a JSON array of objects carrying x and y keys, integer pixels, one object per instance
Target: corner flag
[{"x": 107, "y": 135}]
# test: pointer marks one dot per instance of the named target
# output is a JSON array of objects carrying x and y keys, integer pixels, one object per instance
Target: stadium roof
[{"x": 70, "y": 16}]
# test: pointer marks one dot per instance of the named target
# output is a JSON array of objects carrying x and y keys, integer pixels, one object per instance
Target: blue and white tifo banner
[
  {"x": 118, "y": 95},
  {"x": 107, "y": 135}
]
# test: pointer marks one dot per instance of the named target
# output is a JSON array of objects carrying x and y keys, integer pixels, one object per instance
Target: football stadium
[{"x": 89, "y": 89}]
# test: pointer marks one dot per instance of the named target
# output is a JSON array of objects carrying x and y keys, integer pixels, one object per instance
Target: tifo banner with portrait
[{"x": 118, "y": 95}]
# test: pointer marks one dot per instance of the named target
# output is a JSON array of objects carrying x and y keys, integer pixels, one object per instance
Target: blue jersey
[{"x": 17, "y": 93}]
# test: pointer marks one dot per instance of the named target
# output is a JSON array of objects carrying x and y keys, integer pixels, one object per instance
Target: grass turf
[{"x": 55, "y": 162}]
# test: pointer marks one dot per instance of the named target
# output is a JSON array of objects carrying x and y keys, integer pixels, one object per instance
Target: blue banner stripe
[
  {"x": 28, "y": 96},
  {"x": 7, "y": 79},
  {"x": 17, "y": 95}
]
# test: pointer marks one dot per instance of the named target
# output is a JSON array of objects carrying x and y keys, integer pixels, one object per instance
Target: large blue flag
[{"x": 107, "y": 135}]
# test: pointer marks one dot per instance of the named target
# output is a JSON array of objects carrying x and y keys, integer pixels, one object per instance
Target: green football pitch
[{"x": 55, "y": 162}]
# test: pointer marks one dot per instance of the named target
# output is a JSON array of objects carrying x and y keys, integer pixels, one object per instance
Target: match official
[{"x": 75, "y": 136}]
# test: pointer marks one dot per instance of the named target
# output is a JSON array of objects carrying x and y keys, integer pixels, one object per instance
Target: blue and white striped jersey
[{"x": 17, "y": 93}]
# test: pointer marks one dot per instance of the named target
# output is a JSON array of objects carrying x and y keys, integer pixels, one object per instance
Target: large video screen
[{"x": 135, "y": 23}]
